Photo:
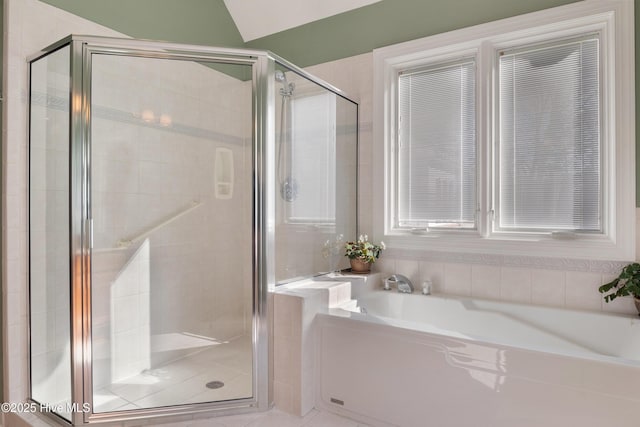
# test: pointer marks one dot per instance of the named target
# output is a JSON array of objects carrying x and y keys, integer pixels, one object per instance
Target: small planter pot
[
  {"x": 637, "y": 303},
  {"x": 359, "y": 266}
]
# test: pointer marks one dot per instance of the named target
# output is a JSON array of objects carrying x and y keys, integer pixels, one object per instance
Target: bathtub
[{"x": 435, "y": 361}]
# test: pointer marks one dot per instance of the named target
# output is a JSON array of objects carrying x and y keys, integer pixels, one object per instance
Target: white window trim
[{"x": 613, "y": 19}]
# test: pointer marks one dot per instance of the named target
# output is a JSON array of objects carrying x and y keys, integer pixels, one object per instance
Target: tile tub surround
[
  {"x": 295, "y": 308},
  {"x": 496, "y": 281}
]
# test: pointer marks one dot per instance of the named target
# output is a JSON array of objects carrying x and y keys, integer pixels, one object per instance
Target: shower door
[
  {"x": 316, "y": 172},
  {"x": 171, "y": 205},
  {"x": 49, "y": 269},
  {"x": 153, "y": 219}
]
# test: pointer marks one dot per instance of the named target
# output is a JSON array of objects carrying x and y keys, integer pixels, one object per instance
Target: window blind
[
  {"x": 549, "y": 142},
  {"x": 436, "y": 163}
]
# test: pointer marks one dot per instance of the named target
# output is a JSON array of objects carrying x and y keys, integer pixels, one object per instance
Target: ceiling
[{"x": 256, "y": 19}]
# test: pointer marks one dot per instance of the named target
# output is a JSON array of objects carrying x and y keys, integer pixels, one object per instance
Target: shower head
[
  {"x": 280, "y": 77},
  {"x": 287, "y": 88}
]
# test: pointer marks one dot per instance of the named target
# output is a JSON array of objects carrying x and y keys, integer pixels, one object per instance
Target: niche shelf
[{"x": 223, "y": 173}]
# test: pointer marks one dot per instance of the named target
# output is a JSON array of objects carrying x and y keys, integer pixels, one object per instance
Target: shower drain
[{"x": 215, "y": 384}]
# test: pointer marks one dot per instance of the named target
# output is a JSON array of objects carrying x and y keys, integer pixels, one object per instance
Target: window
[
  {"x": 437, "y": 146},
  {"x": 549, "y": 141},
  {"x": 510, "y": 138}
]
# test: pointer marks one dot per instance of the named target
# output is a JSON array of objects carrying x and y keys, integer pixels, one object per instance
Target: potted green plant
[
  {"x": 627, "y": 283},
  {"x": 362, "y": 253}
]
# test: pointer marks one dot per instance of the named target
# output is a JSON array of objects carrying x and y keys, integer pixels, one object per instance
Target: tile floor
[
  {"x": 273, "y": 418},
  {"x": 184, "y": 380}
]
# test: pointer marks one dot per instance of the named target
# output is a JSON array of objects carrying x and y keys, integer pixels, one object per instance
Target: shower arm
[{"x": 125, "y": 243}]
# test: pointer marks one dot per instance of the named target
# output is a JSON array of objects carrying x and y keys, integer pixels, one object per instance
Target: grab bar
[{"x": 125, "y": 243}]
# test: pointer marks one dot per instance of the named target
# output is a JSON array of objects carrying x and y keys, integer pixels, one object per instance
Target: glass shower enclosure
[{"x": 152, "y": 211}]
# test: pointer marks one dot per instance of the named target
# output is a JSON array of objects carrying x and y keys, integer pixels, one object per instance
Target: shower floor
[{"x": 184, "y": 381}]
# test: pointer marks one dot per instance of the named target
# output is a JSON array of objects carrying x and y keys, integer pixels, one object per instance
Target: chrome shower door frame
[
  {"x": 263, "y": 180},
  {"x": 82, "y": 49}
]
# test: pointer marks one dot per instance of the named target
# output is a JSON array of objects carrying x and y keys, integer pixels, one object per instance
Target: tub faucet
[{"x": 403, "y": 284}]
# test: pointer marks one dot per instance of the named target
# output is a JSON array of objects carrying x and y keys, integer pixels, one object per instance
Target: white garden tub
[{"x": 436, "y": 361}]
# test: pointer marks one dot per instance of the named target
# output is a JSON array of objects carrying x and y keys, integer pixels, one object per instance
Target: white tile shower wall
[
  {"x": 550, "y": 287},
  {"x": 354, "y": 76},
  {"x": 153, "y": 173},
  {"x": 200, "y": 285},
  {"x": 299, "y": 245},
  {"x": 129, "y": 352}
]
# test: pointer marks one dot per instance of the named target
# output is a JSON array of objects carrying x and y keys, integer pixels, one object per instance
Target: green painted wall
[{"x": 388, "y": 22}]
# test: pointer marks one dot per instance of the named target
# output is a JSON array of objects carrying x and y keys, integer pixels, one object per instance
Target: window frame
[
  {"x": 613, "y": 21},
  {"x": 604, "y": 148},
  {"x": 424, "y": 67}
]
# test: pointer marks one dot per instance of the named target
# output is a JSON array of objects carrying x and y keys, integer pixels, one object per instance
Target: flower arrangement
[{"x": 363, "y": 250}]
